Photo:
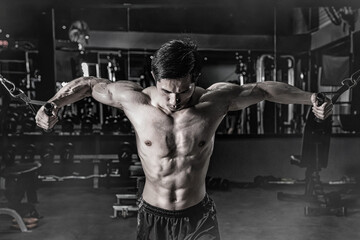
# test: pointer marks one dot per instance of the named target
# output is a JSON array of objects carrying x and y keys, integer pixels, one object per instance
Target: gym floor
[{"x": 243, "y": 213}]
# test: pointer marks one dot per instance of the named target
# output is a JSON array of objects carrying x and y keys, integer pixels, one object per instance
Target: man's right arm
[
  {"x": 75, "y": 90},
  {"x": 111, "y": 93}
]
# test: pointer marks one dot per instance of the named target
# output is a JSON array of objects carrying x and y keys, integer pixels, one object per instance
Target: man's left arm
[
  {"x": 287, "y": 94},
  {"x": 239, "y": 97}
]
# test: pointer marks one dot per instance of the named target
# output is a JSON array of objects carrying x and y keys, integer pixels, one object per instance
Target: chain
[{"x": 13, "y": 91}]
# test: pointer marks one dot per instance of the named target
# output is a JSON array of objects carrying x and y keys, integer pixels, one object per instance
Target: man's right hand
[{"x": 45, "y": 121}]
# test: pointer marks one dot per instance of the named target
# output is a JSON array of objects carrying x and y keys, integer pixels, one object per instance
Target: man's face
[{"x": 176, "y": 92}]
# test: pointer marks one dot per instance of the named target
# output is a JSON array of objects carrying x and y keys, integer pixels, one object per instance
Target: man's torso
[{"x": 174, "y": 149}]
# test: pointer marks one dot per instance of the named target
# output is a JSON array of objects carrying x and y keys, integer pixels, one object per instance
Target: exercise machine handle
[
  {"x": 48, "y": 108},
  {"x": 320, "y": 98}
]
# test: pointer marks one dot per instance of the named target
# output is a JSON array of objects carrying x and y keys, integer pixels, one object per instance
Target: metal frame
[{"x": 218, "y": 42}]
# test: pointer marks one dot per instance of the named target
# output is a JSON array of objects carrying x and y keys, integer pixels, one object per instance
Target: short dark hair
[{"x": 176, "y": 59}]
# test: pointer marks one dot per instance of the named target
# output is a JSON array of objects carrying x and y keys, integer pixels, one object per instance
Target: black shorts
[{"x": 196, "y": 222}]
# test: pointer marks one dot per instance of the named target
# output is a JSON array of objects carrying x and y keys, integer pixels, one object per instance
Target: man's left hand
[{"x": 324, "y": 110}]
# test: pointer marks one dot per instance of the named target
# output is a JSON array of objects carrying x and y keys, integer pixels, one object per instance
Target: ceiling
[
  {"x": 231, "y": 17},
  {"x": 241, "y": 17}
]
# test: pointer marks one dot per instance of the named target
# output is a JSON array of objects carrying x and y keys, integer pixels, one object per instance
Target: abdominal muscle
[{"x": 175, "y": 184}]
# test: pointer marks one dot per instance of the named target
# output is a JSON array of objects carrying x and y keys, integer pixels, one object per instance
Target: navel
[
  {"x": 201, "y": 143},
  {"x": 148, "y": 143}
]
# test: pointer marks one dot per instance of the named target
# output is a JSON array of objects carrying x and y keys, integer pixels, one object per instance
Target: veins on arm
[
  {"x": 107, "y": 92},
  {"x": 233, "y": 97},
  {"x": 283, "y": 93},
  {"x": 74, "y": 91}
]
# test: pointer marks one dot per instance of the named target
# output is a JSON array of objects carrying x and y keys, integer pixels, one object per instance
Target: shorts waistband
[{"x": 199, "y": 207}]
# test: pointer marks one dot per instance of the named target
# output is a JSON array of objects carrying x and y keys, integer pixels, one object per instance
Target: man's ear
[
  {"x": 197, "y": 79},
  {"x": 152, "y": 74}
]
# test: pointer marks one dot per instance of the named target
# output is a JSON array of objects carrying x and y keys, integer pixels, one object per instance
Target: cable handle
[
  {"x": 320, "y": 98},
  {"x": 48, "y": 108}
]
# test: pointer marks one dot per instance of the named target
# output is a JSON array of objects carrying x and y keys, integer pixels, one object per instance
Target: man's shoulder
[
  {"x": 149, "y": 91},
  {"x": 212, "y": 92},
  {"x": 199, "y": 91}
]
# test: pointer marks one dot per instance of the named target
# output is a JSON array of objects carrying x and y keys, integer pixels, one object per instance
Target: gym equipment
[
  {"x": 66, "y": 160},
  {"x": 48, "y": 153},
  {"x": 315, "y": 150},
  {"x": 67, "y": 153},
  {"x": 114, "y": 124},
  {"x": 125, "y": 156},
  {"x": 126, "y": 151},
  {"x": 314, "y": 157},
  {"x": 28, "y": 154},
  {"x": 350, "y": 123},
  {"x": 69, "y": 119},
  {"x": 20, "y": 94},
  {"x": 107, "y": 125},
  {"x": 87, "y": 124},
  {"x": 20, "y": 180},
  {"x": 136, "y": 169},
  {"x": 127, "y": 203},
  {"x": 115, "y": 67},
  {"x": 28, "y": 122},
  {"x": 217, "y": 183},
  {"x": 118, "y": 170},
  {"x": 129, "y": 167},
  {"x": 262, "y": 181},
  {"x": 16, "y": 216},
  {"x": 49, "y": 107},
  {"x": 63, "y": 178},
  {"x": 77, "y": 169},
  {"x": 125, "y": 125},
  {"x": 9, "y": 155},
  {"x": 88, "y": 119},
  {"x": 267, "y": 70},
  {"x": 11, "y": 123},
  {"x": 67, "y": 124}
]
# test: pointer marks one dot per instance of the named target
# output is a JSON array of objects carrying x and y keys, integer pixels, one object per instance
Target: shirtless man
[{"x": 175, "y": 123}]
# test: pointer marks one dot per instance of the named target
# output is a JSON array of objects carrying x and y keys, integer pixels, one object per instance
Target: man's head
[
  {"x": 176, "y": 59},
  {"x": 175, "y": 93},
  {"x": 176, "y": 68}
]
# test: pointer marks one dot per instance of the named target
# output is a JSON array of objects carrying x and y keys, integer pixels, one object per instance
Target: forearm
[
  {"x": 75, "y": 90},
  {"x": 284, "y": 93}
]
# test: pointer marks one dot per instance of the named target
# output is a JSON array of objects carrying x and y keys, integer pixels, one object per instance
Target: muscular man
[{"x": 175, "y": 123}]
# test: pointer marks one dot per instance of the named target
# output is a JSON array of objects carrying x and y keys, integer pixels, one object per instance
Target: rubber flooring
[{"x": 72, "y": 213}]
